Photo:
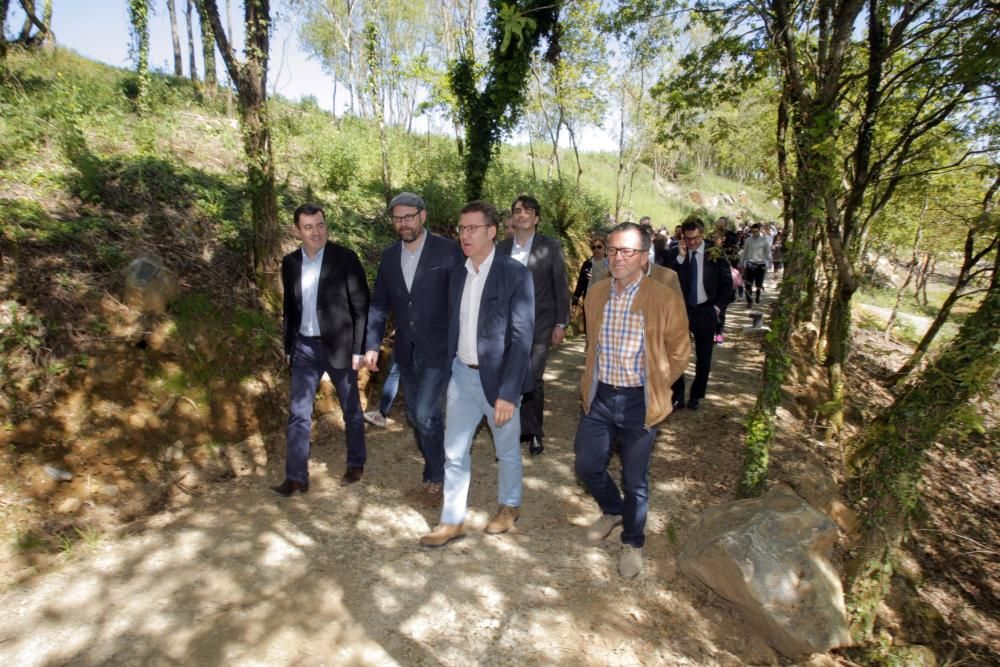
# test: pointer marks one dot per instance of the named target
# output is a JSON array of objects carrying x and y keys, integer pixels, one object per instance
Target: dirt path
[{"x": 336, "y": 577}]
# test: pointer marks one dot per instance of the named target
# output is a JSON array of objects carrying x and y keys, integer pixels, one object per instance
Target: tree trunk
[
  {"x": 4, "y": 7},
  {"x": 888, "y": 455},
  {"x": 139, "y": 19},
  {"x": 175, "y": 39},
  {"x": 375, "y": 75},
  {"x": 208, "y": 52},
  {"x": 576, "y": 155},
  {"x": 250, "y": 78},
  {"x": 229, "y": 81},
  {"x": 190, "y": 34},
  {"x": 925, "y": 277},
  {"x": 910, "y": 270}
]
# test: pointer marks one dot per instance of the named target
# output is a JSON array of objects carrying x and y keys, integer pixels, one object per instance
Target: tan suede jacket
[{"x": 668, "y": 343}]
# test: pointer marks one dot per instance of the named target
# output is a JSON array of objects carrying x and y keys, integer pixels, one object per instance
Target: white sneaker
[
  {"x": 603, "y": 527},
  {"x": 630, "y": 562},
  {"x": 375, "y": 417}
]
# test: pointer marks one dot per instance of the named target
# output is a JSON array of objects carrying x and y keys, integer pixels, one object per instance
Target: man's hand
[
  {"x": 682, "y": 248},
  {"x": 558, "y": 335},
  {"x": 371, "y": 360},
  {"x": 357, "y": 361},
  {"x": 502, "y": 412}
]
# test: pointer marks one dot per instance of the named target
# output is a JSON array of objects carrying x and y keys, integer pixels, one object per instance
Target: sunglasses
[{"x": 597, "y": 247}]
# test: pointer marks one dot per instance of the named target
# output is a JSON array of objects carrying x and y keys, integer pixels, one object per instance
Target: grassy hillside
[{"x": 87, "y": 185}]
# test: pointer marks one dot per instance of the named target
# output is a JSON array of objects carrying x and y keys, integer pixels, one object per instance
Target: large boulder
[
  {"x": 149, "y": 286},
  {"x": 771, "y": 557}
]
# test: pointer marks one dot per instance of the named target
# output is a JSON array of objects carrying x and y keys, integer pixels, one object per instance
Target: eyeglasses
[
  {"x": 627, "y": 253},
  {"x": 692, "y": 238},
  {"x": 468, "y": 229},
  {"x": 597, "y": 247},
  {"x": 409, "y": 217}
]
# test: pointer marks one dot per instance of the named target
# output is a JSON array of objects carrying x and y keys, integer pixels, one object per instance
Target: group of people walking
[{"x": 474, "y": 323}]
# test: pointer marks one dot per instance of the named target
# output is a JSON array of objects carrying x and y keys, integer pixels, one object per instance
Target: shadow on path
[{"x": 337, "y": 577}]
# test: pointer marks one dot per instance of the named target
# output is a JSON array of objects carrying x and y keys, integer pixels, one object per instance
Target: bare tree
[
  {"x": 190, "y": 33},
  {"x": 175, "y": 39}
]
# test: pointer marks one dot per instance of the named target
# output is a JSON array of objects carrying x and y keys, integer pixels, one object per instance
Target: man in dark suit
[
  {"x": 325, "y": 312},
  {"x": 491, "y": 315},
  {"x": 412, "y": 285},
  {"x": 544, "y": 259},
  {"x": 707, "y": 283}
]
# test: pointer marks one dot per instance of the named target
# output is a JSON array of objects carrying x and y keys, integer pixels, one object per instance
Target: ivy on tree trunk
[{"x": 516, "y": 28}]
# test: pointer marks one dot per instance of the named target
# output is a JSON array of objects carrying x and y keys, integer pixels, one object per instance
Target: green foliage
[
  {"x": 490, "y": 111},
  {"x": 260, "y": 330},
  {"x": 20, "y": 329}
]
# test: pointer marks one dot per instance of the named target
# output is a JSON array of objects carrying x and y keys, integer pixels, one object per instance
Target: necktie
[{"x": 693, "y": 279}]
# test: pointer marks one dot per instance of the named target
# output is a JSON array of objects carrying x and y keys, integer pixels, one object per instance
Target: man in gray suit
[{"x": 544, "y": 259}]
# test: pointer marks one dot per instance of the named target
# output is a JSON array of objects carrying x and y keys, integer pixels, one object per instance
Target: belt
[
  {"x": 310, "y": 337},
  {"x": 617, "y": 389}
]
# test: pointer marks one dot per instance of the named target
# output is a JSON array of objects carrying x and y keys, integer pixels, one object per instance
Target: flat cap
[{"x": 406, "y": 199}]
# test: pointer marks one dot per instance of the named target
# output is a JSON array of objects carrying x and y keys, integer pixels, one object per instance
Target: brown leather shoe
[
  {"x": 432, "y": 494},
  {"x": 289, "y": 487},
  {"x": 443, "y": 534},
  {"x": 352, "y": 475},
  {"x": 503, "y": 520}
]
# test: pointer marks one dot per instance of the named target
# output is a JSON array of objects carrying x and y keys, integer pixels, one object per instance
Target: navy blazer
[
  {"x": 421, "y": 313},
  {"x": 341, "y": 303},
  {"x": 505, "y": 329},
  {"x": 548, "y": 275},
  {"x": 717, "y": 276}
]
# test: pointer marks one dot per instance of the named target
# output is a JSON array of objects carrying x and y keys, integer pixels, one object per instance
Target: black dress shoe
[
  {"x": 536, "y": 447},
  {"x": 678, "y": 405},
  {"x": 692, "y": 404},
  {"x": 352, "y": 475},
  {"x": 289, "y": 487}
]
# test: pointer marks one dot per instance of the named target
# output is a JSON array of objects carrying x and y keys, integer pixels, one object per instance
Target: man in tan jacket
[{"x": 637, "y": 346}]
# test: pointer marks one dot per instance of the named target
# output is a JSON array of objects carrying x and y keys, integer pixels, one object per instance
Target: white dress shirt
[
  {"x": 309, "y": 284},
  {"x": 468, "y": 320},
  {"x": 522, "y": 253}
]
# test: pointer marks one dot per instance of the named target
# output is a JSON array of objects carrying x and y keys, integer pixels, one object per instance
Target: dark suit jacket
[
  {"x": 717, "y": 277},
  {"x": 548, "y": 275},
  {"x": 504, "y": 333},
  {"x": 341, "y": 303},
  {"x": 421, "y": 313}
]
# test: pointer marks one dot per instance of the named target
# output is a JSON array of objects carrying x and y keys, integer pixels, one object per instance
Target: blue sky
[{"x": 99, "y": 29}]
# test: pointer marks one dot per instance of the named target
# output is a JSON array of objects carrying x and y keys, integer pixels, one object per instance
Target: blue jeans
[
  {"x": 467, "y": 405},
  {"x": 389, "y": 388},
  {"x": 621, "y": 413},
  {"x": 424, "y": 389},
  {"x": 308, "y": 365}
]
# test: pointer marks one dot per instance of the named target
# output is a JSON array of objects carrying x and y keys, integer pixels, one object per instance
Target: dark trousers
[
  {"x": 617, "y": 413},
  {"x": 701, "y": 322},
  {"x": 424, "y": 391},
  {"x": 753, "y": 275},
  {"x": 533, "y": 403},
  {"x": 308, "y": 365}
]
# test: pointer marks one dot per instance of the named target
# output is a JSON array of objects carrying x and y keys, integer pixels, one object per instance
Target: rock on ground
[{"x": 771, "y": 557}]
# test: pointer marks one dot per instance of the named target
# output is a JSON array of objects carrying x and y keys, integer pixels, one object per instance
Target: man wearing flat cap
[{"x": 412, "y": 286}]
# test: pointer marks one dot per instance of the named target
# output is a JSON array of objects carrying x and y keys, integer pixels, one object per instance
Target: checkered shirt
[{"x": 621, "y": 347}]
